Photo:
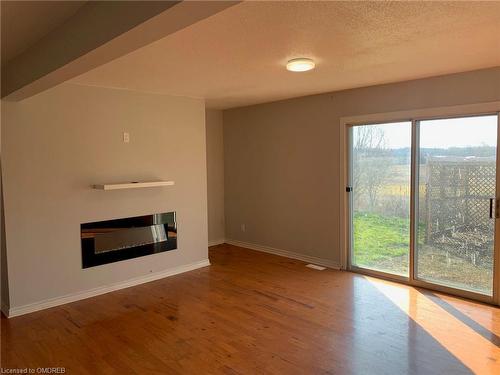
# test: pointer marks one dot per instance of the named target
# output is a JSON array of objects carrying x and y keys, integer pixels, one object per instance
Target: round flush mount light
[{"x": 300, "y": 65}]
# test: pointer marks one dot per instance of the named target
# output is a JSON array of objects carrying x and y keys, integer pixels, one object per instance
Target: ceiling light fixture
[{"x": 300, "y": 65}]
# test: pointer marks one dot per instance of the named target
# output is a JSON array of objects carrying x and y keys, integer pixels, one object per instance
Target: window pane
[
  {"x": 381, "y": 197},
  {"x": 457, "y": 178}
]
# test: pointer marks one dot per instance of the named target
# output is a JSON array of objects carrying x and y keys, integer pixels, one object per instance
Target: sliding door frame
[
  {"x": 350, "y": 208},
  {"x": 415, "y": 116}
]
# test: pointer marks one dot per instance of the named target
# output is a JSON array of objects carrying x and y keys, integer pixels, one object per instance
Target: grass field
[
  {"x": 378, "y": 238},
  {"x": 382, "y": 243}
]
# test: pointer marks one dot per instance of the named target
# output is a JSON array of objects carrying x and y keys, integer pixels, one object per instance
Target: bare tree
[{"x": 370, "y": 162}]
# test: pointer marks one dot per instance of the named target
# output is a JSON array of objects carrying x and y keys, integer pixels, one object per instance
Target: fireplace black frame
[{"x": 91, "y": 258}]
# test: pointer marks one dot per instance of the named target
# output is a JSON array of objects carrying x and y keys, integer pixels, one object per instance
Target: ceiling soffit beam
[{"x": 98, "y": 33}]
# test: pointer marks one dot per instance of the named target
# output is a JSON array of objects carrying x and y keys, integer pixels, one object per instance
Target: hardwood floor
[{"x": 255, "y": 313}]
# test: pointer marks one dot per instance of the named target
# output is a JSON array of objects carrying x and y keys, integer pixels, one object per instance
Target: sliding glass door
[
  {"x": 457, "y": 185},
  {"x": 381, "y": 155},
  {"x": 422, "y": 198}
]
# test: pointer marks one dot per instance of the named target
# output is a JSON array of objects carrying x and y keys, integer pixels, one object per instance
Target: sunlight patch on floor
[{"x": 439, "y": 324}]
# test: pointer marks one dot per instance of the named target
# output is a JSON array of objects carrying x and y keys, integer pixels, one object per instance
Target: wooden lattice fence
[{"x": 456, "y": 207}]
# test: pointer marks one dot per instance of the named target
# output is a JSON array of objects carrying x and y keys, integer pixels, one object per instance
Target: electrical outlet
[
  {"x": 243, "y": 228},
  {"x": 126, "y": 137}
]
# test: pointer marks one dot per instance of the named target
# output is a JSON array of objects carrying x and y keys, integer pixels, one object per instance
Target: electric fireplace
[{"x": 120, "y": 239}]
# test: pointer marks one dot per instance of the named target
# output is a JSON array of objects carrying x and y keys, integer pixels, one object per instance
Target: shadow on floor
[{"x": 468, "y": 321}]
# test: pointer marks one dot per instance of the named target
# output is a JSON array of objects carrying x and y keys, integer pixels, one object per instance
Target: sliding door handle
[{"x": 497, "y": 208}]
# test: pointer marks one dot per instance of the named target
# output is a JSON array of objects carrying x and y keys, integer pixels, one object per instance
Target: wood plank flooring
[{"x": 255, "y": 313}]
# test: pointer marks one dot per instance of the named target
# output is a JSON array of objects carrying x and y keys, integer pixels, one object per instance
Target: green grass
[
  {"x": 378, "y": 238},
  {"x": 382, "y": 243}
]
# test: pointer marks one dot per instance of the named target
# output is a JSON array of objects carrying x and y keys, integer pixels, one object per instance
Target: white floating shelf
[{"x": 133, "y": 185}]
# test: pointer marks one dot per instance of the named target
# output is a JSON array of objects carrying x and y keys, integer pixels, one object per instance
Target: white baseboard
[
  {"x": 285, "y": 253},
  {"x": 216, "y": 242},
  {"x": 51, "y": 302}
]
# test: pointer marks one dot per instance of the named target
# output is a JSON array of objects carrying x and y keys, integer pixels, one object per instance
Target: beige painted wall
[
  {"x": 215, "y": 176},
  {"x": 55, "y": 145},
  {"x": 282, "y": 161},
  {"x": 4, "y": 280}
]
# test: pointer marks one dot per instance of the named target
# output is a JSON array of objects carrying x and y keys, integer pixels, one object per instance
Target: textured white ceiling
[{"x": 237, "y": 57}]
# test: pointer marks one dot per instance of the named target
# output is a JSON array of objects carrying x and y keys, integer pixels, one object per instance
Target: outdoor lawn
[{"x": 382, "y": 243}]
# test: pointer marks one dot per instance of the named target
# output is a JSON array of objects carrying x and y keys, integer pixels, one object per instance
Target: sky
[{"x": 444, "y": 133}]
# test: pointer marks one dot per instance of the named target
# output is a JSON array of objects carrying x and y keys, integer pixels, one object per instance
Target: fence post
[{"x": 428, "y": 185}]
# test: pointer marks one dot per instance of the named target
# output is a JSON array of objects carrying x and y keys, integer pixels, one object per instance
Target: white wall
[
  {"x": 282, "y": 159},
  {"x": 215, "y": 176},
  {"x": 57, "y": 144}
]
